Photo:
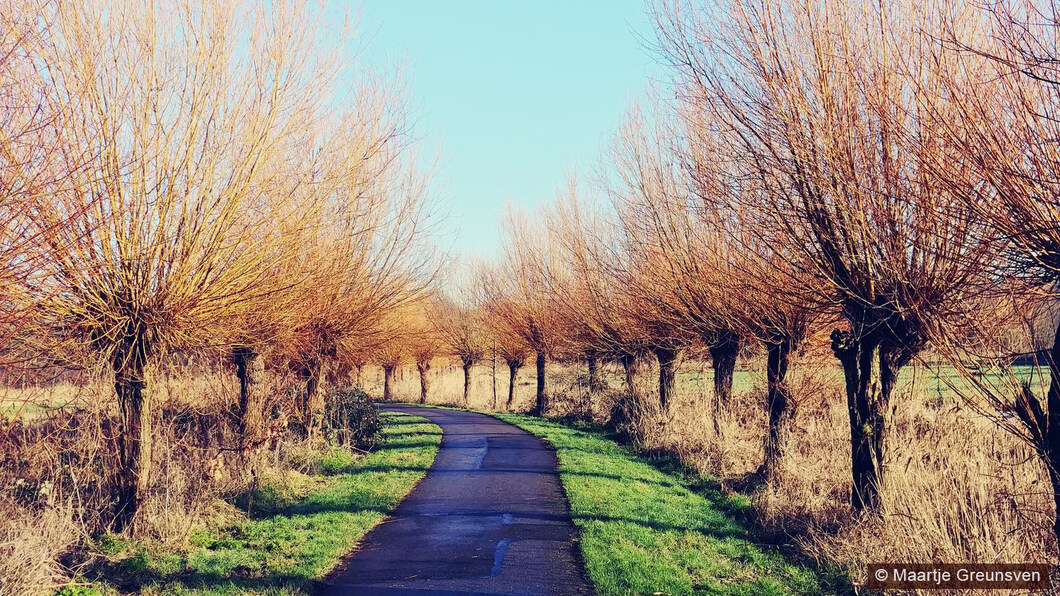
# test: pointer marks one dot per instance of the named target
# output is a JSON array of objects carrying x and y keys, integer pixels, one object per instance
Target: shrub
[
  {"x": 631, "y": 418},
  {"x": 353, "y": 418}
]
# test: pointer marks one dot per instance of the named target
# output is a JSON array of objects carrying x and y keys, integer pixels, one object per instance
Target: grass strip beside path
[
  {"x": 300, "y": 539},
  {"x": 644, "y": 531}
]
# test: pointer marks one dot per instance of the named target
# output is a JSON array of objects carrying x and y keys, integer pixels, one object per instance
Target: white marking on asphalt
[
  {"x": 481, "y": 454},
  {"x": 498, "y": 556}
]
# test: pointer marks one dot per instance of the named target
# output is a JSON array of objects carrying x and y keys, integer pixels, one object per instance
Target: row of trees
[
  {"x": 209, "y": 176},
  {"x": 883, "y": 171},
  {"x": 200, "y": 176}
]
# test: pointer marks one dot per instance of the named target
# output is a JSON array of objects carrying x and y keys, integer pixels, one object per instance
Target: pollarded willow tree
[
  {"x": 822, "y": 101},
  {"x": 761, "y": 297},
  {"x": 592, "y": 307},
  {"x": 685, "y": 261},
  {"x": 709, "y": 275},
  {"x": 181, "y": 109},
  {"x": 512, "y": 348},
  {"x": 462, "y": 330},
  {"x": 188, "y": 114},
  {"x": 1003, "y": 77},
  {"x": 518, "y": 293},
  {"x": 326, "y": 168},
  {"x": 369, "y": 258},
  {"x": 426, "y": 340}
]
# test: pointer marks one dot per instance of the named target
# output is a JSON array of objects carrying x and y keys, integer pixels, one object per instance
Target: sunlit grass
[
  {"x": 306, "y": 527},
  {"x": 646, "y": 531}
]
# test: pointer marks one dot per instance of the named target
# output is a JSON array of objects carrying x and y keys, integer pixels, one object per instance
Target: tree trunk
[
  {"x": 667, "y": 358},
  {"x": 134, "y": 439},
  {"x": 539, "y": 405},
  {"x": 359, "y": 378},
  {"x": 313, "y": 400},
  {"x": 423, "y": 366},
  {"x": 250, "y": 369},
  {"x": 467, "y": 382},
  {"x": 723, "y": 352},
  {"x": 778, "y": 401},
  {"x": 594, "y": 371},
  {"x": 388, "y": 380},
  {"x": 1051, "y": 434},
  {"x": 513, "y": 370},
  {"x": 1044, "y": 426},
  {"x": 631, "y": 366},
  {"x": 870, "y": 369},
  {"x": 493, "y": 374}
]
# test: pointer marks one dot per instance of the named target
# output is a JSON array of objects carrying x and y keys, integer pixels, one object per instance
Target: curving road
[{"x": 490, "y": 517}]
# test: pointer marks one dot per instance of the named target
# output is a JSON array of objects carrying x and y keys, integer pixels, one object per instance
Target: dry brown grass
[
  {"x": 957, "y": 484},
  {"x": 57, "y": 471},
  {"x": 30, "y": 545}
]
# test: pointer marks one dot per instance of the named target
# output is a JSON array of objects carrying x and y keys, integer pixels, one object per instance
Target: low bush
[{"x": 352, "y": 418}]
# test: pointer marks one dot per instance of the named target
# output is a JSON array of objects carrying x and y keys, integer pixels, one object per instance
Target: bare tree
[
  {"x": 682, "y": 258},
  {"x": 821, "y": 101},
  {"x": 462, "y": 330},
  {"x": 367, "y": 259},
  {"x": 425, "y": 340},
  {"x": 518, "y": 293},
  {"x": 1002, "y": 85},
  {"x": 171, "y": 238},
  {"x": 593, "y": 307},
  {"x": 512, "y": 347}
]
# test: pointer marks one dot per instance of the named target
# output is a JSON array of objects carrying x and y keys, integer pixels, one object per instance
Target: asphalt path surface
[{"x": 490, "y": 517}]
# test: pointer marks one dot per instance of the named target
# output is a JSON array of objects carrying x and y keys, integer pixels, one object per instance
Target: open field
[{"x": 938, "y": 384}]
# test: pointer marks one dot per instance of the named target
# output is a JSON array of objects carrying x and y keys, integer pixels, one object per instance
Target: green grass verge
[
  {"x": 645, "y": 531},
  {"x": 303, "y": 533}
]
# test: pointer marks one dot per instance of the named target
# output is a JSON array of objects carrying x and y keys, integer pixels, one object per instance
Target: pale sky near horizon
[{"x": 512, "y": 94}]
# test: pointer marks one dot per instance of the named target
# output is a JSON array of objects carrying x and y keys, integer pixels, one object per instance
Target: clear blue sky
[{"x": 513, "y": 94}]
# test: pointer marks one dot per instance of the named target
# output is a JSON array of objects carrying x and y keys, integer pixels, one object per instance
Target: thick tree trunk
[
  {"x": 1044, "y": 425},
  {"x": 313, "y": 398},
  {"x": 388, "y": 381},
  {"x": 778, "y": 401},
  {"x": 631, "y": 367},
  {"x": 513, "y": 370},
  {"x": 134, "y": 439},
  {"x": 870, "y": 368},
  {"x": 723, "y": 352},
  {"x": 539, "y": 405},
  {"x": 594, "y": 371},
  {"x": 423, "y": 367},
  {"x": 250, "y": 369},
  {"x": 667, "y": 358},
  {"x": 467, "y": 381},
  {"x": 1051, "y": 434}
]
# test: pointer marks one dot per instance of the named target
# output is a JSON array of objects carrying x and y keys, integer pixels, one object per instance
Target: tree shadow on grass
[
  {"x": 735, "y": 517},
  {"x": 245, "y": 557},
  {"x": 127, "y": 578}
]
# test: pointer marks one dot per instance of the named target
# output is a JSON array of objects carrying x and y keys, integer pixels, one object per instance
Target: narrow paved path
[{"x": 489, "y": 518}]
